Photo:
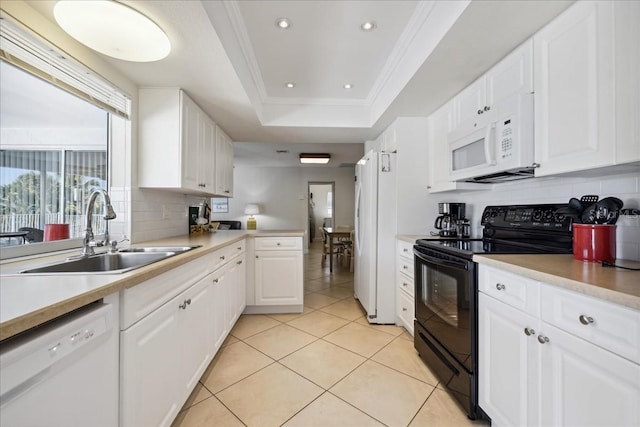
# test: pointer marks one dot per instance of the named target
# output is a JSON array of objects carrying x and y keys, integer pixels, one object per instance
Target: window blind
[{"x": 23, "y": 49}]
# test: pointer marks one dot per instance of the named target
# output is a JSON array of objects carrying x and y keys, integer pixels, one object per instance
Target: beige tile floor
[{"x": 326, "y": 366}]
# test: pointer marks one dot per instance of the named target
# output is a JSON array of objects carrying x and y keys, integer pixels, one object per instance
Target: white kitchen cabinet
[
  {"x": 508, "y": 377},
  {"x": 163, "y": 357},
  {"x": 550, "y": 356},
  {"x": 405, "y": 288},
  {"x": 511, "y": 75},
  {"x": 587, "y": 91},
  {"x": 224, "y": 164},
  {"x": 176, "y": 149},
  {"x": 278, "y": 272},
  {"x": 219, "y": 326}
]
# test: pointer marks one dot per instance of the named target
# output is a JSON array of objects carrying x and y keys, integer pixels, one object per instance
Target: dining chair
[{"x": 338, "y": 247}]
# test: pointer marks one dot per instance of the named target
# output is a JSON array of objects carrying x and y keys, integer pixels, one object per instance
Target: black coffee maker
[{"x": 452, "y": 221}]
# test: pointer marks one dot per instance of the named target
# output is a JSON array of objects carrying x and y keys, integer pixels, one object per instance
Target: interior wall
[
  {"x": 553, "y": 190},
  {"x": 282, "y": 195}
]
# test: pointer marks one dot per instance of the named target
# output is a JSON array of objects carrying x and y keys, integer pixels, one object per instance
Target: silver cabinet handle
[
  {"x": 542, "y": 339},
  {"x": 278, "y": 244},
  {"x": 239, "y": 262},
  {"x": 528, "y": 332},
  {"x": 405, "y": 284},
  {"x": 215, "y": 280},
  {"x": 487, "y": 108},
  {"x": 480, "y": 111},
  {"x": 500, "y": 287},
  {"x": 405, "y": 267},
  {"x": 183, "y": 305},
  {"x": 222, "y": 257},
  {"x": 404, "y": 308},
  {"x": 405, "y": 250},
  {"x": 585, "y": 320}
]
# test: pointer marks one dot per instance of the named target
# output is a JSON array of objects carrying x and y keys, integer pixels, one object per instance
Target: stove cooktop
[{"x": 469, "y": 247}]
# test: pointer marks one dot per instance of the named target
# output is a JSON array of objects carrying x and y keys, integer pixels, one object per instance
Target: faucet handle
[{"x": 113, "y": 246}]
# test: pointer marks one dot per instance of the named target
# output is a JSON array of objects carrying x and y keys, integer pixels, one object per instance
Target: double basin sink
[{"x": 111, "y": 263}]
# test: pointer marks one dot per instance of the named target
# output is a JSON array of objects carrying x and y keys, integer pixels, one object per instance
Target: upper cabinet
[
  {"x": 178, "y": 144},
  {"x": 224, "y": 164},
  {"x": 587, "y": 91},
  {"x": 511, "y": 75}
]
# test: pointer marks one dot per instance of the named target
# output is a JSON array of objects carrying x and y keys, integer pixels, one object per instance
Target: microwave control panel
[{"x": 505, "y": 138}]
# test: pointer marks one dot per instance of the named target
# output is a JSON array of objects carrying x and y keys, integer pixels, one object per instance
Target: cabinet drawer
[
  {"x": 518, "y": 292},
  {"x": 610, "y": 326},
  {"x": 405, "y": 249},
  {"x": 278, "y": 243},
  {"x": 405, "y": 283},
  {"x": 405, "y": 266},
  {"x": 405, "y": 310},
  {"x": 222, "y": 256}
]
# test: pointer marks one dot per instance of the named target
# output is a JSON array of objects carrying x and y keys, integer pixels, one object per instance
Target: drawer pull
[
  {"x": 585, "y": 320},
  {"x": 185, "y": 304},
  {"x": 405, "y": 284},
  {"x": 239, "y": 262},
  {"x": 542, "y": 339},
  {"x": 405, "y": 267},
  {"x": 405, "y": 250},
  {"x": 404, "y": 308},
  {"x": 278, "y": 244},
  {"x": 222, "y": 257},
  {"x": 500, "y": 287},
  {"x": 215, "y": 280},
  {"x": 528, "y": 332}
]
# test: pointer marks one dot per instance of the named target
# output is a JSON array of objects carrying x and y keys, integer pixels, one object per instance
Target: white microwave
[{"x": 495, "y": 146}]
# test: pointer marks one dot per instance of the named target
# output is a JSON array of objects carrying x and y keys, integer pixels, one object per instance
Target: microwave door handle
[{"x": 488, "y": 145}]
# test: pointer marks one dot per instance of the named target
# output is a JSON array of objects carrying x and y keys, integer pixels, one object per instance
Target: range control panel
[{"x": 543, "y": 216}]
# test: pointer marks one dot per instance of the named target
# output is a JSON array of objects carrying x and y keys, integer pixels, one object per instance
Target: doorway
[{"x": 321, "y": 207}]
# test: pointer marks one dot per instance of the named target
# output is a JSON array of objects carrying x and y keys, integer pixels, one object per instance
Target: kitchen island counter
[
  {"x": 611, "y": 284},
  {"x": 28, "y": 300}
]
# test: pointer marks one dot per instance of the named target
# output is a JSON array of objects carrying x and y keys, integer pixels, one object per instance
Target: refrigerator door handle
[{"x": 356, "y": 230}]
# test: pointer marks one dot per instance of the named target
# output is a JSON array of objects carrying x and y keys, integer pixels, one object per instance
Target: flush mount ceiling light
[
  {"x": 113, "y": 29},
  {"x": 348, "y": 86},
  {"x": 290, "y": 85},
  {"x": 283, "y": 23},
  {"x": 315, "y": 158},
  {"x": 368, "y": 26}
]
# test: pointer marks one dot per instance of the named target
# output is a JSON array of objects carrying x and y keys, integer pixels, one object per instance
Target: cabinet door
[
  {"x": 512, "y": 75},
  {"x": 239, "y": 285},
  {"x": 574, "y": 75},
  {"x": 191, "y": 131},
  {"x": 405, "y": 309},
  {"x": 278, "y": 277},
  {"x": 207, "y": 156},
  {"x": 470, "y": 103},
  {"x": 224, "y": 164},
  {"x": 219, "y": 329},
  {"x": 163, "y": 356},
  {"x": 584, "y": 385},
  {"x": 440, "y": 124},
  {"x": 508, "y": 355}
]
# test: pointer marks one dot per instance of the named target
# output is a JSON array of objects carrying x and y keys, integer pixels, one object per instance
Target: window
[
  {"x": 330, "y": 204},
  {"x": 53, "y": 155}
]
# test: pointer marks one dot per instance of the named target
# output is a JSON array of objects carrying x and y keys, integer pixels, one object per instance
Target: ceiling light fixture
[
  {"x": 283, "y": 23},
  {"x": 368, "y": 26},
  {"x": 113, "y": 29},
  {"x": 348, "y": 86},
  {"x": 290, "y": 85},
  {"x": 315, "y": 158}
]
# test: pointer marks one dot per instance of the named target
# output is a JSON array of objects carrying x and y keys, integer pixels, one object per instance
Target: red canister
[
  {"x": 56, "y": 232},
  {"x": 594, "y": 242}
]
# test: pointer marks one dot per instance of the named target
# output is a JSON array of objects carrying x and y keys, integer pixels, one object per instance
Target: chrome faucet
[{"x": 89, "y": 243}]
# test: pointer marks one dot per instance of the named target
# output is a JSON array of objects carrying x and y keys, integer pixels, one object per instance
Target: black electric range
[
  {"x": 446, "y": 287},
  {"x": 514, "y": 229}
]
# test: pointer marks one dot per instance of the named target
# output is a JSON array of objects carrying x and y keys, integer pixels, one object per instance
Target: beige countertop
[
  {"x": 608, "y": 283},
  {"x": 28, "y": 300},
  {"x": 411, "y": 238}
]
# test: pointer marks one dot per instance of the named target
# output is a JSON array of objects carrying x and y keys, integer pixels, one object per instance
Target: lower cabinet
[
  {"x": 164, "y": 355},
  {"x": 278, "y": 276},
  {"x": 534, "y": 370},
  {"x": 405, "y": 288}
]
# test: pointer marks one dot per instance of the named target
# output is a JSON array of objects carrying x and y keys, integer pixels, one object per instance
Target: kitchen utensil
[
  {"x": 607, "y": 210},
  {"x": 588, "y": 199},
  {"x": 576, "y": 205},
  {"x": 589, "y": 214}
]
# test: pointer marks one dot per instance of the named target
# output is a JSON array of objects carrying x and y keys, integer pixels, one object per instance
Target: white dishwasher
[{"x": 64, "y": 373}]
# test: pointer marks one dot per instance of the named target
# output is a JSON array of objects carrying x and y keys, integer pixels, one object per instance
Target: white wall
[
  {"x": 282, "y": 195},
  {"x": 553, "y": 190}
]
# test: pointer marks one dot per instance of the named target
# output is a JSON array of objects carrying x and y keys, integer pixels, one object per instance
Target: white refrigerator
[{"x": 375, "y": 236}]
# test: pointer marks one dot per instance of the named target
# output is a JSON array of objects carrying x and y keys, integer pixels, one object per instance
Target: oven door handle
[{"x": 439, "y": 261}]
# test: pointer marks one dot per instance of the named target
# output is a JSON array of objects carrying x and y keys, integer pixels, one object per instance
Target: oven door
[{"x": 445, "y": 301}]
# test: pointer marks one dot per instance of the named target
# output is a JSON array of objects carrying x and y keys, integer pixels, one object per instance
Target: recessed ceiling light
[
  {"x": 113, "y": 29},
  {"x": 283, "y": 23},
  {"x": 348, "y": 86},
  {"x": 368, "y": 26},
  {"x": 290, "y": 85}
]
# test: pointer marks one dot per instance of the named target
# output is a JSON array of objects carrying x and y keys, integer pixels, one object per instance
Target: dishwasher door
[{"x": 64, "y": 373}]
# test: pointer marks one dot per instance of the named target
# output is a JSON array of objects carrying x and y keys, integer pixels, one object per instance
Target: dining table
[{"x": 335, "y": 233}]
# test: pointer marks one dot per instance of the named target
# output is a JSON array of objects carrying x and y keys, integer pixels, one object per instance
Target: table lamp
[{"x": 251, "y": 210}]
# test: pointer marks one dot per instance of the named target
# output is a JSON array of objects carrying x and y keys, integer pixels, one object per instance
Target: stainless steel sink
[
  {"x": 178, "y": 249},
  {"x": 110, "y": 263}
]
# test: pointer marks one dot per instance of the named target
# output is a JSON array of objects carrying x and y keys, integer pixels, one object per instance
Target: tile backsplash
[{"x": 555, "y": 190}]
